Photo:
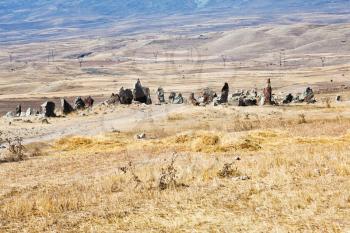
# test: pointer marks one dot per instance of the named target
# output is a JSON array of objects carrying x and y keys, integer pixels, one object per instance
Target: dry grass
[{"x": 289, "y": 179}]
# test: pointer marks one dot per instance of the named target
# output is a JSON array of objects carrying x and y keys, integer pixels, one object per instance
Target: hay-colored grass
[{"x": 299, "y": 180}]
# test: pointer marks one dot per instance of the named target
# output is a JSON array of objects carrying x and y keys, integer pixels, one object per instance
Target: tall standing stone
[
  {"x": 268, "y": 93},
  {"x": 172, "y": 97},
  {"x": 224, "y": 94},
  {"x": 142, "y": 94},
  {"x": 160, "y": 95},
  {"x": 18, "y": 110}
]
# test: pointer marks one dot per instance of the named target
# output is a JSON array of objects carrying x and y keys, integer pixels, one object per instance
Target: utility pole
[
  {"x": 224, "y": 59},
  {"x": 282, "y": 58}
]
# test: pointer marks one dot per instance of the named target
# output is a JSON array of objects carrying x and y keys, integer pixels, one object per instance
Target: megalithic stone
[
  {"x": 125, "y": 96},
  {"x": 89, "y": 102},
  {"x": 18, "y": 110},
  {"x": 48, "y": 109},
  {"x": 268, "y": 93},
  {"x": 224, "y": 93},
  {"x": 193, "y": 100},
  {"x": 66, "y": 107},
  {"x": 79, "y": 103},
  {"x": 160, "y": 95}
]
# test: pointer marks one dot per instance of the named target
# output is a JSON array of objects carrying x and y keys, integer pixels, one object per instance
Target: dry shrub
[
  {"x": 248, "y": 144},
  {"x": 210, "y": 140},
  {"x": 327, "y": 101},
  {"x": 131, "y": 169},
  {"x": 302, "y": 119},
  {"x": 168, "y": 177},
  {"x": 229, "y": 171},
  {"x": 15, "y": 150}
]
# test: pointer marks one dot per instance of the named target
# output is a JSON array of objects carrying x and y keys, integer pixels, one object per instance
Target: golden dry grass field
[{"x": 293, "y": 175}]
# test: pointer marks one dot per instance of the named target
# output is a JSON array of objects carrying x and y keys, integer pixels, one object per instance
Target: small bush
[
  {"x": 15, "y": 150},
  {"x": 229, "y": 171}
]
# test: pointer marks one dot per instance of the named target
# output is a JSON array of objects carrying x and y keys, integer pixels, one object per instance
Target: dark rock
[
  {"x": 244, "y": 101},
  {"x": 142, "y": 94},
  {"x": 113, "y": 100},
  {"x": 268, "y": 93},
  {"x": 178, "y": 99},
  {"x": 224, "y": 94},
  {"x": 193, "y": 100},
  {"x": 309, "y": 96},
  {"x": 66, "y": 107},
  {"x": 48, "y": 109},
  {"x": 79, "y": 104},
  {"x": 125, "y": 96},
  {"x": 288, "y": 99},
  {"x": 89, "y": 102},
  {"x": 160, "y": 95},
  {"x": 172, "y": 97},
  {"x": 18, "y": 110}
]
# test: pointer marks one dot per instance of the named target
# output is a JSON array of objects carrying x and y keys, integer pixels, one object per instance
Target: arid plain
[{"x": 200, "y": 169}]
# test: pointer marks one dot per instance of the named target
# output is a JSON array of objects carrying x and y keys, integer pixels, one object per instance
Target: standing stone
[
  {"x": 224, "y": 94},
  {"x": 18, "y": 110},
  {"x": 29, "y": 112},
  {"x": 309, "y": 96},
  {"x": 79, "y": 104},
  {"x": 126, "y": 96},
  {"x": 208, "y": 96},
  {"x": 178, "y": 99},
  {"x": 113, "y": 100},
  {"x": 147, "y": 92},
  {"x": 48, "y": 109},
  {"x": 288, "y": 99},
  {"x": 142, "y": 94},
  {"x": 193, "y": 100},
  {"x": 172, "y": 97},
  {"x": 89, "y": 102},
  {"x": 268, "y": 93},
  {"x": 160, "y": 95},
  {"x": 66, "y": 107}
]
